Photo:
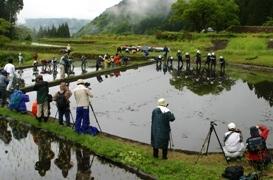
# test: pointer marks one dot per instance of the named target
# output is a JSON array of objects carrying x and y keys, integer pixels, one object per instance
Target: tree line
[
  {"x": 196, "y": 15},
  {"x": 61, "y": 31}
]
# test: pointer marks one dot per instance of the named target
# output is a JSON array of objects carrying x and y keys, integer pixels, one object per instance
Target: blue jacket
[{"x": 18, "y": 101}]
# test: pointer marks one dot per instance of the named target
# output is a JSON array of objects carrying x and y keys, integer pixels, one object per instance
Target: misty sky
[{"x": 84, "y": 9}]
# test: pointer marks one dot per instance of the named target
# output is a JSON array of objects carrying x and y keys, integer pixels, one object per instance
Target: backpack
[
  {"x": 233, "y": 172},
  {"x": 15, "y": 99},
  {"x": 61, "y": 101},
  {"x": 255, "y": 144}
]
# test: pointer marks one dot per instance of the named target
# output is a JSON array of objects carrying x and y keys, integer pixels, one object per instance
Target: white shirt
[
  {"x": 233, "y": 143},
  {"x": 82, "y": 95},
  {"x": 10, "y": 68}
]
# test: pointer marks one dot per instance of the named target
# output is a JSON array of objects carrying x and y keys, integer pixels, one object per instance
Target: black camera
[{"x": 87, "y": 84}]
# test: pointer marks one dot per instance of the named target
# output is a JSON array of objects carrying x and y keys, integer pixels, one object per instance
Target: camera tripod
[{"x": 207, "y": 141}]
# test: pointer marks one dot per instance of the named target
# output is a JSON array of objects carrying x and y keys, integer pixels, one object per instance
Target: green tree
[
  {"x": 255, "y": 12},
  {"x": 4, "y": 26},
  {"x": 197, "y": 15}
]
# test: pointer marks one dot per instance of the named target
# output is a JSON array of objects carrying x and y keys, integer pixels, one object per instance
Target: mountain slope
[{"x": 130, "y": 16}]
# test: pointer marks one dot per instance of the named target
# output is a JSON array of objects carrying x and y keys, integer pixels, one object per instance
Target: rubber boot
[
  {"x": 164, "y": 153},
  {"x": 155, "y": 153}
]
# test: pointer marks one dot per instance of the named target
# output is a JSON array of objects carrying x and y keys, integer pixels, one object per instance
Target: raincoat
[{"x": 160, "y": 130}]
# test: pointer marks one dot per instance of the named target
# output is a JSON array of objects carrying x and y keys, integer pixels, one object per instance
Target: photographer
[
  {"x": 257, "y": 152},
  {"x": 82, "y": 94},
  {"x": 42, "y": 89},
  {"x": 62, "y": 102},
  {"x": 233, "y": 142},
  {"x": 160, "y": 130}
]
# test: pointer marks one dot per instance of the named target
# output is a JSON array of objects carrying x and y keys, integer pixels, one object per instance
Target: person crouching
[
  {"x": 233, "y": 140},
  {"x": 160, "y": 130},
  {"x": 82, "y": 94}
]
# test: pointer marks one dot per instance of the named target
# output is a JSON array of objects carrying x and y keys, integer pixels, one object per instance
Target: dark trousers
[
  {"x": 65, "y": 113},
  {"x": 82, "y": 120},
  {"x": 164, "y": 153}
]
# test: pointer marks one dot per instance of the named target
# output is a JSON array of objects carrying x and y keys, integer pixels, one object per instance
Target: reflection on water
[
  {"x": 124, "y": 101},
  {"x": 30, "y": 153},
  {"x": 263, "y": 90}
]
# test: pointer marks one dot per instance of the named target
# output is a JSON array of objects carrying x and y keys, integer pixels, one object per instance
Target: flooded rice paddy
[
  {"x": 28, "y": 153},
  {"x": 123, "y": 102}
]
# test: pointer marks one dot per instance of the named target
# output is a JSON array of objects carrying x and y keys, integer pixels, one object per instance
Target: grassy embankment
[{"x": 178, "y": 166}]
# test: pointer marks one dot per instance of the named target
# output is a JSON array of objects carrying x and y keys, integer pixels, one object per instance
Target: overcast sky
[{"x": 83, "y": 9}]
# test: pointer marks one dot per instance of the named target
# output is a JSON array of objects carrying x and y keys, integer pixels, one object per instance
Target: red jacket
[{"x": 258, "y": 156}]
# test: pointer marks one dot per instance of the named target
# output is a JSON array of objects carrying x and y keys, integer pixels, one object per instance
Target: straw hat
[{"x": 162, "y": 102}]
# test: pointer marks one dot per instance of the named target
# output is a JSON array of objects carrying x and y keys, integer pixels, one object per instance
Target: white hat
[
  {"x": 231, "y": 126},
  {"x": 209, "y": 54},
  {"x": 160, "y": 56},
  {"x": 179, "y": 51},
  {"x": 187, "y": 53},
  {"x": 198, "y": 51},
  {"x": 171, "y": 57},
  {"x": 212, "y": 54},
  {"x": 162, "y": 102},
  {"x": 80, "y": 81},
  {"x": 221, "y": 57}
]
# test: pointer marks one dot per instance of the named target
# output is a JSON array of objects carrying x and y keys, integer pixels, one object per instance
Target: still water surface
[{"x": 123, "y": 102}]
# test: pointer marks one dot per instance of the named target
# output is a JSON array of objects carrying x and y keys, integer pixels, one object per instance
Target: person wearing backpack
[
  {"x": 257, "y": 152},
  {"x": 233, "y": 142},
  {"x": 62, "y": 103}
]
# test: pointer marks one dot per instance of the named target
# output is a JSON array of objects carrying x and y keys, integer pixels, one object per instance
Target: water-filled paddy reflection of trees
[{"x": 34, "y": 153}]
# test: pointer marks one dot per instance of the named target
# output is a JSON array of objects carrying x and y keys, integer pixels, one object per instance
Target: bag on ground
[{"x": 233, "y": 172}]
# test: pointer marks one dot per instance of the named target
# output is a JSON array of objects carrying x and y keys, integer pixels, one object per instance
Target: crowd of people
[{"x": 210, "y": 62}]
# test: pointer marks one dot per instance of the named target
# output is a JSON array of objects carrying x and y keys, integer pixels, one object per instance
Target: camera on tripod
[{"x": 207, "y": 141}]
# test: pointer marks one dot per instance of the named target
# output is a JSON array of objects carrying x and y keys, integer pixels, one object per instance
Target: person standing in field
[{"x": 160, "y": 129}]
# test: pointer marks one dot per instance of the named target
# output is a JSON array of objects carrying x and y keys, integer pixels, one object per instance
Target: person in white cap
[
  {"x": 20, "y": 58},
  {"x": 198, "y": 60},
  {"x": 222, "y": 64},
  {"x": 233, "y": 142},
  {"x": 179, "y": 59},
  {"x": 160, "y": 129},
  {"x": 188, "y": 61},
  {"x": 82, "y": 95}
]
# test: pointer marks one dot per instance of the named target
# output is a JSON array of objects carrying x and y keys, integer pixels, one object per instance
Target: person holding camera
[
  {"x": 82, "y": 94},
  {"x": 160, "y": 130},
  {"x": 62, "y": 103},
  {"x": 233, "y": 142},
  {"x": 42, "y": 89},
  {"x": 257, "y": 152}
]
